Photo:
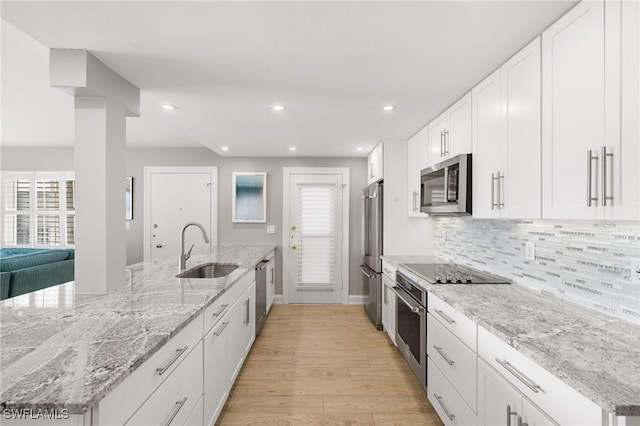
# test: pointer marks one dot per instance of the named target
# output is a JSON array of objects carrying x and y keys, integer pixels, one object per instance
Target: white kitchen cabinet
[
  {"x": 450, "y": 133},
  {"x": 389, "y": 308},
  {"x": 506, "y": 139},
  {"x": 173, "y": 402},
  {"x": 558, "y": 400},
  {"x": 447, "y": 402},
  {"x": 499, "y": 403},
  {"x": 375, "y": 164},
  {"x": 590, "y": 113},
  {"x": 271, "y": 281},
  {"x": 216, "y": 386},
  {"x": 417, "y": 159},
  {"x": 242, "y": 328}
]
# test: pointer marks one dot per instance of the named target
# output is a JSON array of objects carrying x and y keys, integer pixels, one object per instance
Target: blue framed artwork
[{"x": 249, "y": 194}]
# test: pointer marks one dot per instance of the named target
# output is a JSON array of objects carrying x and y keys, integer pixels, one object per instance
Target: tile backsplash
[{"x": 594, "y": 264}]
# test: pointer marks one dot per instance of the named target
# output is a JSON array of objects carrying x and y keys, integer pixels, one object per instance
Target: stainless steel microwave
[{"x": 445, "y": 188}]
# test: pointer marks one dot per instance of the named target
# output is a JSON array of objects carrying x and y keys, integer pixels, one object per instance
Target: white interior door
[
  {"x": 174, "y": 197},
  {"x": 315, "y": 238}
]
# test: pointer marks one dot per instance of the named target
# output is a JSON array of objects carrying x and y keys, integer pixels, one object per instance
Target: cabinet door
[
  {"x": 572, "y": 111},
  {"x": 495, "y": 397},
  {"x": 216, "y": 386},
  {"x": 623, "y": 109},
  {"x": 458, "y": 135},
  {"x": 533, "y": 416},
  {"x": 489, "y": 150},
  {"x": 417, "y": 159},
  {"x": 248, "y": 319},
  {"x": 375, "y": 164},
  {"x": 437, "y": 138},
  {"x": 271, "y": 283},
  {"x": 389, "y": 308},
  {"x": 521, "y": 185},
  {"x": 235, "y": 345}
]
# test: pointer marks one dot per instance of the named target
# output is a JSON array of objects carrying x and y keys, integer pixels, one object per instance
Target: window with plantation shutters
[
  {"x": 316, "y": 238},
  {"x": 39, "y": 209}
]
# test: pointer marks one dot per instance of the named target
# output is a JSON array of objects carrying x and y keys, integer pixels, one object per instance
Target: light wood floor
[{"x": 325, "y": 364}]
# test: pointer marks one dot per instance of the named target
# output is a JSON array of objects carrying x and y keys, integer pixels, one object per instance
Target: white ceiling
[{"x": 333, "y": 64}]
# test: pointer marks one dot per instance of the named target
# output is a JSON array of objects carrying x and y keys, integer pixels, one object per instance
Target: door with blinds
[{"x": 315, "y": 234}]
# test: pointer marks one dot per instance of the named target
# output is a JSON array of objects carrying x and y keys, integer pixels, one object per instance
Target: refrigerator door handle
[{"x": 366, "y": 271}]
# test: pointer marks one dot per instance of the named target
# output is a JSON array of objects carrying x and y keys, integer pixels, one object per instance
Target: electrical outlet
[
  {"x": 271, "y": 229},
  {"x": 530, "y": 251}
]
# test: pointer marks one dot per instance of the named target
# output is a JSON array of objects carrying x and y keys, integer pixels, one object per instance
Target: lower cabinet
[
  {"x": 447, "y": 402},
  {"x": 389, "y": 308},
  {"x": 242, "y": 326},
  {"x": 195, "y": 419},
  {"x": 499, "y": 403},
  {"x": 173, "y": 402},
  {"x": 271, "y": 281},
  {"x": 216, "y": 386}
]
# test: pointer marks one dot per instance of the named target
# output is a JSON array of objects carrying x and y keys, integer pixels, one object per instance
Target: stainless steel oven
[{"x": 411, "y": 325}]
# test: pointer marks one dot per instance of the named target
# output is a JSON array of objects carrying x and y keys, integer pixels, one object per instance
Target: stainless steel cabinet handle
[
  {"x": 604, "y": 156},
  {"x": 444, "y": 316},
  {"x": 247, "y": 318},
  {"x": 509, "y": 414},
  {"x": 273, "y": 271},
  {"x": 590, "y": 158},
  {"x": 441, "y": 143},
  {"x": 500, "y": 190},
  {"x": 164, "y": 368},
  {"x": 524, "y": 379},
  {"x": 446, "y": 358},
  {"x": 439, "y": 399},
  {"x": 219, "y": 332},
  {"x": 175, "y": 411},
  {"x": 493, "y": 191},
  {"x": 222, "y": 309},
  {"x": 446, "y": 139}
]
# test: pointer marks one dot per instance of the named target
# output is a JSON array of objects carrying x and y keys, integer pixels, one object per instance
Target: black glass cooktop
[{"x": 450, "y": 273}]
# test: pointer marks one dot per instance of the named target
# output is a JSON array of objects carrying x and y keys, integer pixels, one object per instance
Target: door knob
[
  {"x": 293, "y": 247},
  {"x": 293, "y": 228},
  {"x": 158, "y": 245}
]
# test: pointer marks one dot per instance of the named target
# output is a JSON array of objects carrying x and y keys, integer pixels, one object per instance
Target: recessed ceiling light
[
  {"x": 225, "y": 148},
  {"x": 388, "y": 108},
  {"x": 292, "y": 148},
  {"x": 277, "y": 107},
  {"x": 359, "y": 148},
  {"x": 169, "y": 107}
]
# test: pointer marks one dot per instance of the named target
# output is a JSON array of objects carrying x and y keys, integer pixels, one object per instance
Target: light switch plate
[
  {"x": 271, "y": 229},
  {"x": 530, "y": 251}
]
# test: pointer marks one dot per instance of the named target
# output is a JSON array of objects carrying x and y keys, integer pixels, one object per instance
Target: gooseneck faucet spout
[{"x": 185, "y": 256}]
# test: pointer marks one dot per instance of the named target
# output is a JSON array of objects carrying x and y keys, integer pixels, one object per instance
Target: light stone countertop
[
  {"x": 70, "y": 355},
  {"x": 595, "y": 354}
]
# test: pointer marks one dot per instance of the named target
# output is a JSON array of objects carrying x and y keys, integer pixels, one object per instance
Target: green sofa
[{"x": 23, "y": 270}]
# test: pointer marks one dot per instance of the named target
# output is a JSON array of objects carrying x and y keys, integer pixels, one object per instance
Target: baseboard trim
[
  {"x": 277, "y": 299},
  {"x": 358, "y": 299}
]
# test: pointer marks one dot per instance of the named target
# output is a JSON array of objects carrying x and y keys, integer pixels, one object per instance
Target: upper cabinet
[
  {"x": 375, "y": 164},
  {"x": 590, "y": 147},
  {"x": 417, "y": 159},
  {"x": 506, "y": 139},
  {"x": 450, "y": 133}
]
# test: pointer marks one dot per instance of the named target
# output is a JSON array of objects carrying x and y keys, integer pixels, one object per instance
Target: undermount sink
[{"x": 209, "y": 270}]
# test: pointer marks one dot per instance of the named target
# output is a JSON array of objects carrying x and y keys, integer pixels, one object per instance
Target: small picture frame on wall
[
  {"x": 249, "y": 197},
  {"x": 128, "y": 194}
]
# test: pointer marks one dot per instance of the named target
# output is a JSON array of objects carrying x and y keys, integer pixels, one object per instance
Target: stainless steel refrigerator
[{"x": 372, "y": 250}]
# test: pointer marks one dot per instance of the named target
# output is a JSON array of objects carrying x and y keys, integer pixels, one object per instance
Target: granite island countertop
[
  {"x": 59, "y": 350},
  {"x": 597, "y": 355}
]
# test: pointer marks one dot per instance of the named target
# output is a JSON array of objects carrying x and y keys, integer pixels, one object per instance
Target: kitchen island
[
  {"x": 68, "y": 355},
  {"x": 597, "y": 355}
]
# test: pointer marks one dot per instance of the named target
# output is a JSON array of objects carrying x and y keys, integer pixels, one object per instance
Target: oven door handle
[{"x": 415, "y": 308}]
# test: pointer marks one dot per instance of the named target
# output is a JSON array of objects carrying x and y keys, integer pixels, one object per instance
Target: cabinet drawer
[
  {"x": 173, "y": 402},
  {"x": 561, "y": 402},
  {"x": 447, "y": 402},
  {"x": 455, "y": 360},
  {"x": 215, "y": 311},
  {"x": 388, "y": 270},
  {"x": 453, "y": 320},
  {"x": 119, "y": 404},
  {"x": 240, "y": 286}
]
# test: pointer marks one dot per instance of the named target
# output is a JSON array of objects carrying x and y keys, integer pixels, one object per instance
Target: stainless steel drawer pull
[
  {"x": 524, "y": 379},
  {"x": 604, "y": 155},
  {"x": 446, "y": 358},
  {"x": 247, "y": 318},
  {"x": 509, "y": 414},
  {"x": 175, "y": 411},
  {"x": 590, "y": 158},
  {"x": 493, "y": 191},
  {"x": 444, "y": 316},
  {"x": 439, "y": 398},
  {"x": 179, "y": 352},
  {"x": 219, "y": 332},
  {"x": 222, "y": 309}
]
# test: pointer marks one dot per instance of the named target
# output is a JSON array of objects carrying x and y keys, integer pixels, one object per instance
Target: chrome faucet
[{"x": 184, "y": 257}]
